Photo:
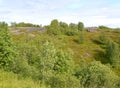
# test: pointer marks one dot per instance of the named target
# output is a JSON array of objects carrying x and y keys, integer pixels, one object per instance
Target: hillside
[{"x": 61, "y": 56}]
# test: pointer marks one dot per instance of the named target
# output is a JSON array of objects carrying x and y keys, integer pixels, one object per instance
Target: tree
[
  {"x": 64, "y": 81},
  {"x": 54, "y": 27},
  {"x": 64, "y": 27},
  {"x": 64, "y": 62},
  {"x": 7, "y": 51},
  {"x": 81, "y": 37},
  {"x": 112, "y": 53},
  {"x": 73, "y": 26},
  {"x": 80, "y": 26},
  {"x": 53, "y": 61},
  {"x": 103, "y": 38},
  {"x": 97, "y": 75},
  {"x": 22, "y": 24},
  {"x": 46, "y": 61}
]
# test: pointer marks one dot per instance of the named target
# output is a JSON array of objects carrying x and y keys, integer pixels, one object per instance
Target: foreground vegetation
[
  {"x": 62, "y": 56},
  {"x": 11, "y": 80}
]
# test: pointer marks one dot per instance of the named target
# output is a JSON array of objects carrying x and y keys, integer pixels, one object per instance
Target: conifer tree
[
  {"x": 112, "y": 53},
  {"x": 6, "y": 47},
  {"x": 80, "y": 26},
  {"x": 81, "y": 37}
]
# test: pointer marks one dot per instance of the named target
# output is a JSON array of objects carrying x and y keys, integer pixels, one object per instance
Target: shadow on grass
[
  {"x": 102, "y": 45},
  {"x": 96, "y": 42},
  {"x": 78, "y": 41},
  {"x": 100, "y": 56},
  {"x": 75, "y": 40}
]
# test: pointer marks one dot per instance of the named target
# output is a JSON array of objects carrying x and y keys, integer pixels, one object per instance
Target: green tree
[
  {"x": 97, "y": 75},
  {"x": 73, "y": 29},
  {"x": 73, "y": 26},
  {"x": 81, "y": 37},
  {"x": 54, "y": 27},
  {"x": 7, "y": 52},
  {"x": 64, "y": 27},
  {"x": 80, "y": 26},
  {"x": 64, "y": 81},
  {"x": 22, "y": 24},
  {"x": 46, "y": 61},
  {"x": 103, "y": 38},
  {"x": 25, "y": 61},
  {"x": 64, "y": 62},
  {"x": 112, "y": 53},
  {"x": 53, "y": 61}
]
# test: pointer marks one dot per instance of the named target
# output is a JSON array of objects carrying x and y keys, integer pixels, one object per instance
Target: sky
[{"x": 90, "y": 12}]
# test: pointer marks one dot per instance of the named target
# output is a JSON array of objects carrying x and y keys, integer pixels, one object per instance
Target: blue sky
[{"x": 90, "y": 12}]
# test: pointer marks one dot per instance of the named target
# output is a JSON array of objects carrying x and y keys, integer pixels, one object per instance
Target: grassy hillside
[
  {"x": 91, "y": 50},
  {"x": 60, "y": 57}
]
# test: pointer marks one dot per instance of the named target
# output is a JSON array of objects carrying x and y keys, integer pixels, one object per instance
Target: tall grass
[{"x": 11, "y": 80}]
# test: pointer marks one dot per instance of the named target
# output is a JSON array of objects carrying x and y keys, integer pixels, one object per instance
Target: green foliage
[
  {"x": 25, "y": 61},
  {"x": 64, "y": 62},
  {"x": 7, "y": 52},
  {"x": 104, "y": 27},
  {"x": 80, "y": 26},
  {"x": 97, "y": 75},
  {"x": 53, "y": 61},
  {"x": 103, "y": 38},
  {"x": 72, "y": 32},
  {"x": 22, "y": 24},
  {"x": 11, "y": 80},
  {"x": 73, "y": 29},
  {"x": 45, "y": 58},
  {"x": 119, "y": 40},
  {"x": 112, "y": 53},
  {"x": 57, "y": 28},
  {"x": 54, "y": 28},
  {"x": 73, "y": 26},
  {"x": 46, "y": 61},
  {"x": 64, "y": 81},
  {"x": 63, "y": 27},
  {"x": 81, "y": 38}
]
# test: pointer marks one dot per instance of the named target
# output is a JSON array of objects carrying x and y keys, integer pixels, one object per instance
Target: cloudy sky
[{"x": 91, "y": 12}]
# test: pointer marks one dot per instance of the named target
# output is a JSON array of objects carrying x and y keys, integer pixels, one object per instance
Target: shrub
[
  {"x": 97, "y": 75},
  {"x": 64, "y": 81},
  {"x": 112, "y": 53},
  {"x": 7, "y": 51}
]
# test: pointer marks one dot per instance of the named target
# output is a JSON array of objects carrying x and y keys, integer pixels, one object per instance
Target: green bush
[
  {"x": 112, "y": 53},
  {"x": 64, "y": 81},
  {"x": 7, "y": 49},
  {"x": 72, "y": 32},
  {"x": 81, "y": 38},
  {"x": 54, "y": 28},
  {"x": 97, "y": 75},
  {"x": 103, "y": 38}
]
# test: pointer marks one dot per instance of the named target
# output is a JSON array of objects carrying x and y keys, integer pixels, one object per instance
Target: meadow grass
[{"x": 11, "y": 80}]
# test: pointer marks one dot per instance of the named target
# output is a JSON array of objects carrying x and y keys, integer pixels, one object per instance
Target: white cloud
[{"x": 92, "y": 13}]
